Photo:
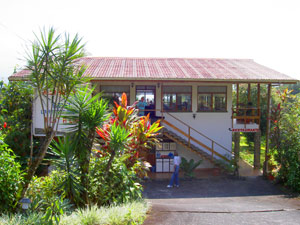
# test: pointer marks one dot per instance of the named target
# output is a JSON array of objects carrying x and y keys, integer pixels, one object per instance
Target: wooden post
[
  {"x": 237, "y": 137},
  {"x": 212, "y": 147},
  {"x": 237, "y": 94},
  {"x": 249, "y": 93},
  {"x": 265, "y": 169},
  {"x": 257, "y": 143},
  {"x": 258, "y": 103},
  {"x": 189, "y": 136}
]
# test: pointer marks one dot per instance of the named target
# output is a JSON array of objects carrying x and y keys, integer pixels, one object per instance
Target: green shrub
[
  {"x": 121, "y": 185},
  {"x": 55, "y": 210},
  {"x": 285, "y": 141},
  {"x": 43, "y": 191},
  {"x": 16, "y": 109},
  {"x": 11, "y": 178},
  {"x": 188, "y": 167}
]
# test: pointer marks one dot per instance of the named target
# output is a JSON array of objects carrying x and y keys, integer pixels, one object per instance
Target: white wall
[
  {"x": 191, "y": 155},
  {"x": 215, "y": 125}
]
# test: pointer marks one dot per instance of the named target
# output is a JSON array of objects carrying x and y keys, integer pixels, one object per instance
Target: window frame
[
  {"x": 212, "y": 99},
  {"x": 114, "y": 92},
  {"x": 176, "y": 93}
]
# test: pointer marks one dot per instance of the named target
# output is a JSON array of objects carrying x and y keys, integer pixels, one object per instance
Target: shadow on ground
[
  {"x": 220, "y": 200},
  {"x": 211, "y": 187}
]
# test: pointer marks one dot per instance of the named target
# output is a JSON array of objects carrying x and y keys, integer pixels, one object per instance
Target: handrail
[
  {"x": 213, "y": 143},
  {"x": 198, "y": 142},
  {"x": 203, "y": 135}
]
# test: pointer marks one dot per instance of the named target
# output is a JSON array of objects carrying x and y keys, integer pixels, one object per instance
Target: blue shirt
[{"x": 141, "y": 106}]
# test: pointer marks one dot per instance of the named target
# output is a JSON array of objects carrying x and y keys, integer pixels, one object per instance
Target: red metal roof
[{"x": 231, "y": 70}]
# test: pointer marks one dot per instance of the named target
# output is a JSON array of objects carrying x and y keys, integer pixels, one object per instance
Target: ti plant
[{"x": 136, "y": 134}]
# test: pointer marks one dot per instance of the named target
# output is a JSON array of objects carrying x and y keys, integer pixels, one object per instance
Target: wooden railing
[
  {"x": 246, "y": 116},
  {"x": 190, "y": 137}
]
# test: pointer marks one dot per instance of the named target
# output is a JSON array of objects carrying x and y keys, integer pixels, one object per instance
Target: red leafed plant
[{"x": 127, "y": 133}]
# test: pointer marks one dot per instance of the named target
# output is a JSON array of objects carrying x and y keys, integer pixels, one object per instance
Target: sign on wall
[
  {"x": 38, "y": 117},
  {"x": 247, "y": 130}
]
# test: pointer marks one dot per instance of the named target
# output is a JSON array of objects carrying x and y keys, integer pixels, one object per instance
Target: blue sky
[{"x": 264, "y": 30}]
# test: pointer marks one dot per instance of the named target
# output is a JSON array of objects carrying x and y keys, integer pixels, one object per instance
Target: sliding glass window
[
  {"x": 177, "y": 98},
  {"x": 212, "y": 99},
  {"x": 114, "y": 92}
]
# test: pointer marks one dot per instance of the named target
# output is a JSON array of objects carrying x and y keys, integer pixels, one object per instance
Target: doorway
[{"x": 148, "y": 92}]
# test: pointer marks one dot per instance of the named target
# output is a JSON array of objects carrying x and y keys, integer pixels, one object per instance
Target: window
[
  {"x": 177, "y": 98},
  {"x": 148, "y": 92},
  {"x": 212, "y": 99},
  {"x": 114, "y": 92}
]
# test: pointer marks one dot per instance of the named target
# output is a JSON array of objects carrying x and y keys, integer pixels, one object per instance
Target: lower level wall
[{"x": 183, "y": 152}]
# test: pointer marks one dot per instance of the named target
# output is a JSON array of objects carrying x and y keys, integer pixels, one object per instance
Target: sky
[{"x": 267, "y": 31}]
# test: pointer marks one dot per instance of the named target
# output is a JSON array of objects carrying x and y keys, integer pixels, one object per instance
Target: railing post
[
  {"x": 189, "y": 136},
  {"x": 212, "y": 148}
]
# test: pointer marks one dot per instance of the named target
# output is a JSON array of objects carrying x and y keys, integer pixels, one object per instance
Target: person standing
[
  {"x": 175, "y": 175},
  {"x": 141, "y": 106}
]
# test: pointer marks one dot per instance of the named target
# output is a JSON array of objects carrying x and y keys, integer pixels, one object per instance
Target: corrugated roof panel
[{"x": 175, "y": 69}]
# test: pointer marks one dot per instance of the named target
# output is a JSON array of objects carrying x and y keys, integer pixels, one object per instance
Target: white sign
[
  {"x": 38, "y": 117},
  {"x": 249, "y": 130}
]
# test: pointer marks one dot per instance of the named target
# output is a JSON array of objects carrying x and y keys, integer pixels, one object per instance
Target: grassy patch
[
  {"x": 21, "y": 219},
  {"x": 247, "y": 152},
  {"x": 129, "y": 213}
]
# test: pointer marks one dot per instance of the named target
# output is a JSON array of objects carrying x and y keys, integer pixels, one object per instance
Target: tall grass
[
  {"x": 129, "y": 213},
  {"x": 21, "y": 219}
]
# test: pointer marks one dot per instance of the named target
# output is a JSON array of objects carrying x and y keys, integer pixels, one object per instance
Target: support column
[
  {"x": 237, "y": 137},
  {"x": 257, "y": 145},
  {"x": 249, "y": 93},
  {"x": 265, "y": 169}
]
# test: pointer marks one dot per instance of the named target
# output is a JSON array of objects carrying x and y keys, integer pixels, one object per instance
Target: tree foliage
[
  {"x": 54, "y": 74},
  {"x": 285, "y": 138},
  {"x": 85, "y": 113},
  {"x": 16, "y": 112},
  {"x": 11, "y": 178}
]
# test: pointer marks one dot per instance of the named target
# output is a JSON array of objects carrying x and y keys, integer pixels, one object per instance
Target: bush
[
  {"x": 188, "y": 167},
  {"x": 11, "y": 178},
  {"x": 43, "y": 191},
  {"x": 16, "y": 109},
  {"x": 120, "y": 186},
  {"x": 285, "y": 140}
]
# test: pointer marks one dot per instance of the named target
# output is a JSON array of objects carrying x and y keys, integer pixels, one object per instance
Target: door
[{"x": 148, "y": 92}]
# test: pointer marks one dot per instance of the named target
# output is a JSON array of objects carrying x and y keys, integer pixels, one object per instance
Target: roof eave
[
  {"x": 198, "y": 80},
  {"x": 93, "y": 79}
]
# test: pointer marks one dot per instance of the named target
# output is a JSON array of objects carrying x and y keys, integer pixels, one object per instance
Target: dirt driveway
[{"x": 221, "y": 200}]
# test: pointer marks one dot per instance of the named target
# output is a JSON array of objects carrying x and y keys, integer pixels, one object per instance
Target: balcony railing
[{"x": 245, "y": 116}]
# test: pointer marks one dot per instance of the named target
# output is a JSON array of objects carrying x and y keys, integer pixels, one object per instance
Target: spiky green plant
[{"x": 188, "y": 167}]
